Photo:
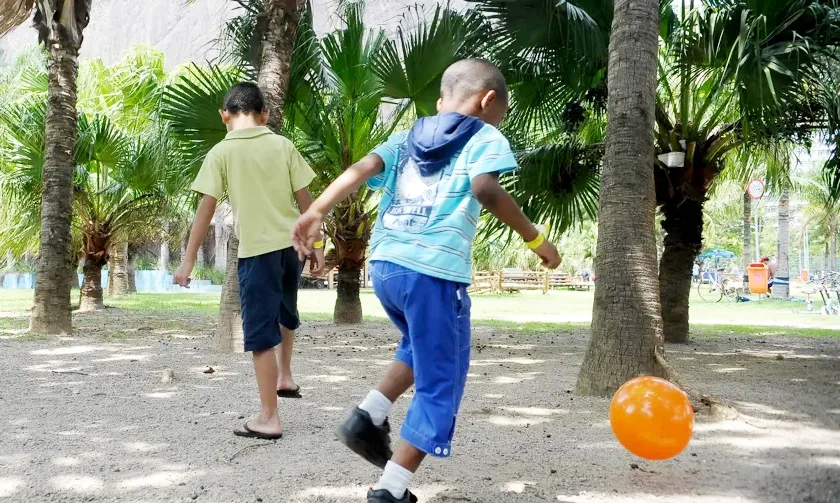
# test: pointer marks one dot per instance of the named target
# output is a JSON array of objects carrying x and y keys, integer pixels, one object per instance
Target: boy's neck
[{"x": 244, "y": 121}]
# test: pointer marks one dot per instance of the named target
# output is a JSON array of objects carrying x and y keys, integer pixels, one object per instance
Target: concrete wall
[{"x": 185, "y": 32}]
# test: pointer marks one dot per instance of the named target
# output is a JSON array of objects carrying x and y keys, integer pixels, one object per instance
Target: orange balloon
[{"x": 651, "y": 417}]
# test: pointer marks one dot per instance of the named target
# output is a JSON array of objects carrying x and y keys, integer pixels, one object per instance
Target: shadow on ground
[{"x": 89, "y": 419}]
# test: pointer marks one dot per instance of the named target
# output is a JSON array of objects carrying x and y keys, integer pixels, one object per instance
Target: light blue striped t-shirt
[{"x": 427, "y": 224}]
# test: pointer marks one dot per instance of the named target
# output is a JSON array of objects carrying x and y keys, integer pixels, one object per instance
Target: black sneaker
[
  {"x": 385, "y": 496},
  {"x": 365, "y": 438}
]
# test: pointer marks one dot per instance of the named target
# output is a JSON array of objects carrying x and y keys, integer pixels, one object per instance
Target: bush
[{"x": 215, "y": 276}]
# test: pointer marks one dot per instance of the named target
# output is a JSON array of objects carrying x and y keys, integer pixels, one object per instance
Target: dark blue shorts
[
  {"x": 434, "y": 318},
  {"x": 268, "y": 286}
]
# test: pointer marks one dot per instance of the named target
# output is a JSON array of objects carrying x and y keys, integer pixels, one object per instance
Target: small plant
[
  {"x": 145, "y": 264},
  {"x": 215, "y": 276}
]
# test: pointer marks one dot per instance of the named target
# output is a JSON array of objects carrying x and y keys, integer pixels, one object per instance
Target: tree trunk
[
  {"x": 626, "y": 318},
  {"x": 748, "y": 242},
  {"x": 51, "y": 313},
  {"x": 221, "y": 246},
  {"x": 229, "y": 337},
  {"x": 832, "y": 238},
  {"x": 348, "y": 305},
  {"x": 683, "y": 225},
  {"x": 781, "y": 283},
  {"x": 163, "y": 257},
  {"x": 118, "y": 282},
  {"x": 91, "y": 294},
  {"x": 132, "y": 269}
]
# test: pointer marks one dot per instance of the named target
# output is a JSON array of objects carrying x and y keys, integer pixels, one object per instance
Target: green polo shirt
[{"x": 261, "y": 172}]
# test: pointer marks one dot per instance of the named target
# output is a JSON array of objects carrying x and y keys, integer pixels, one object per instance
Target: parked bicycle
[
  {"x": 714, "y": 287},
  {"x": 825, "y": 286}
]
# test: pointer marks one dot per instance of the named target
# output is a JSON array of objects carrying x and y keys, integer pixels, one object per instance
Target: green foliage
[{"x": 216, "y": 276}]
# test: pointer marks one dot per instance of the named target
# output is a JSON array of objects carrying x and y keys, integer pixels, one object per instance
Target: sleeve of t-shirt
[
  {"x": 299, "y": 171},
  {"x": 210, "y": 180},
  {"x": 490, "y": 152},
  {"x": 389, "y": 153}
]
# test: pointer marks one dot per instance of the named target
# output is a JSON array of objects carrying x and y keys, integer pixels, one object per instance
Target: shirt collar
[{"x": 253, "y": 132}]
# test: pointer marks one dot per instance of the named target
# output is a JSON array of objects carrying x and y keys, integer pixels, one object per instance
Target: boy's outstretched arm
[
  {"x": 308, "y": 227},
  {"x": 496, "y": 200},
  {"x": 316, "y": 260},
  {"x": 201, "y": 224}
]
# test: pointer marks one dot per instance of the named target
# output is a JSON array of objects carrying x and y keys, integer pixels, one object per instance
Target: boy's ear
[
  {"x": 264, "y": 117},
  {"x": 488, "y": 99},
  {"x": 225, "y": 115},
  {"x": 439, "y": 104}
]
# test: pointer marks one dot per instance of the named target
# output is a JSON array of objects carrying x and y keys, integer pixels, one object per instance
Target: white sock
[
  {"x": 395, "y": 479},
  {"x": 377, "y": 405}
]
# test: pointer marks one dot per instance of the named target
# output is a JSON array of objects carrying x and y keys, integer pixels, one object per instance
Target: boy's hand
[
  {"x": 316, "y": 262},
  {"x": 306, "y": 231},
  {"x": 549, "y": 255},
  {"x": 182, "y": 275}
]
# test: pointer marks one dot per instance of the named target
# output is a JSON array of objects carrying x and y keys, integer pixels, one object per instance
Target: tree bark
[
  {"x": 163, "y": 257},
  {"x": 91, "y": 294},
  {"x": 348, "y": 305},
  {"x": 626, "y": 319},
  {"x": 781, "y": 283},
  {"x": 229, "y": 336},
  {"x": 118, "y": 281},
  {"x": 683, "y": 225},
  {"x": 832, "y": 238},
  {"x": 748, "y": 242},
  {"x": 221, "y": 246},
  {"x": 132, "y": 269},
  {"x": 51, "y": 313}
]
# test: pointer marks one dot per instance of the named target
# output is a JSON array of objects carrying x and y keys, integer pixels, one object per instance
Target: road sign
[{"x": 755, "y": 189}]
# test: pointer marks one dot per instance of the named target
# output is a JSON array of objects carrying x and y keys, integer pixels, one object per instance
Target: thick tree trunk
[
  {"x": 51, "y": 313},
  {"x": 683, "y": 225},
  {"x": 348, "y": 305},
  {"x": 91, "y": 294},
  {"x": 229, "y": 337},
  {"x": 748, "y": 242},
  {"x": 781, "y": 283},
  {"x": 626, "y": 318},
  {"x": 118, "y": 281}
]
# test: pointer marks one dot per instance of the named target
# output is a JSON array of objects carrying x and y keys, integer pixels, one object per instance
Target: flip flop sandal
[
  {"x": 289, "y": 393},
  {"x": 249, "y": 433}
]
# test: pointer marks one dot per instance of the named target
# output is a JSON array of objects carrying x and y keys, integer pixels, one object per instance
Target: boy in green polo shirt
[{"x": 266, "y": 180}]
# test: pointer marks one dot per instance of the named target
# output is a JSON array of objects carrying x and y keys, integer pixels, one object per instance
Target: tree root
[{"x": 701, "y": 403}]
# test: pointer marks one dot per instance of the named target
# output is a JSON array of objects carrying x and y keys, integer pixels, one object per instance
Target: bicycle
[
  {"x": 825, "y": 286},
  {"x": 714, "y": 287}
]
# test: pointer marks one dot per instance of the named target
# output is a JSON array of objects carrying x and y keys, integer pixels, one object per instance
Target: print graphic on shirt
[{"x": 414, "y": 198}]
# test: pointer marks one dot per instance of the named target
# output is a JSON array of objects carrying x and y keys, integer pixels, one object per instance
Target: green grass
[{"x": 526, "y": 312}]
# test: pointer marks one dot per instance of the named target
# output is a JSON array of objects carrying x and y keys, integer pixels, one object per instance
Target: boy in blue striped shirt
[{"x": 434, "y": 180}]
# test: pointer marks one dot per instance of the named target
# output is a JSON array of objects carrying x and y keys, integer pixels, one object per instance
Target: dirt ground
[{"x": 88, "y": 419}]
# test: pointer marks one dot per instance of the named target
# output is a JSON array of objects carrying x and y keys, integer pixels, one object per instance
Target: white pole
[
  {"x": 757, "y": 235},
  {"x": 806, "y": 251}
]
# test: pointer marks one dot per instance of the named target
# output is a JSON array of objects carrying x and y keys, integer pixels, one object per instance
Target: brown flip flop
[{"x": 249, "y": 433}]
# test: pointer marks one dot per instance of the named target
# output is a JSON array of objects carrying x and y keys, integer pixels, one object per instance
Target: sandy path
[{"x": 86, "y": 420}]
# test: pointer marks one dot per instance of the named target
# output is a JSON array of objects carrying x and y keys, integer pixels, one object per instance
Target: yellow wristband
[
  {"x": 318, "y": 245},
  {"x": 537, "y": 242}
]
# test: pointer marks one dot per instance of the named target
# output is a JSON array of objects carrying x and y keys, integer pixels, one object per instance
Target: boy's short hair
[
  {"x": 468, "y": 77},
  {"x": 244, "y": 98}
]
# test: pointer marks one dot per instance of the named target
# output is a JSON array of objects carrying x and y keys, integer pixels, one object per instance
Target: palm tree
[
  {"x": 733, "y": 74},
  {"x": 333, "y": 108},
  {"x": 118, "y": 185},
  {"x": 60, "y": 24},
  {"x": 626, "y": 320}
]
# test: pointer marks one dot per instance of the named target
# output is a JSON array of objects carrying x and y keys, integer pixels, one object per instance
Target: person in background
[
  {"x": 771, "y": 272},
  {"x": 695, "y": 273}
]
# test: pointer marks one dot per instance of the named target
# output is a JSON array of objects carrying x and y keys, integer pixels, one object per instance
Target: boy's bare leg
[
  {"x": 408, "y": 456},
  {"x": 265, "y": 367},
  {"x": 397, "y": 379},
  {"x": 284, "y": 360}
]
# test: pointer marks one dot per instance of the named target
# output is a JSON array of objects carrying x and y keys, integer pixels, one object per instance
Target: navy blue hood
[{"x": 434, "y": 140}]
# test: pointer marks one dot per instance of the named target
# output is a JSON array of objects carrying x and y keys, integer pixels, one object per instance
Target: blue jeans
[{"x": 434, "y": 318}]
